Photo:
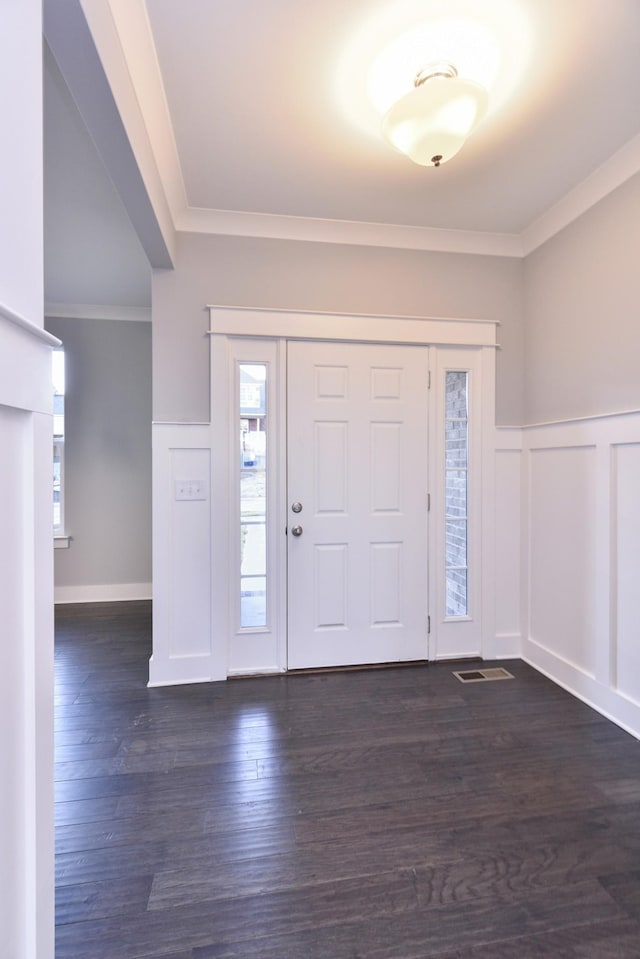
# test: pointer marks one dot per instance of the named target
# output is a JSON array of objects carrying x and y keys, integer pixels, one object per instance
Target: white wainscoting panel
[
  {"x": 582, "y": 553},
  {"x": 626, "y": 564},
  {"x": 508, "y": 543},
  {"x": 562, "y": 508},
  {"x": 191, "y": 555},
  {"x": 182, "y": 568}
]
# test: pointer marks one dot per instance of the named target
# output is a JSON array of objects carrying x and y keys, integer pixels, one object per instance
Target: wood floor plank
[
  {"x": 85, "y": 811},
  {"x": 420, "y": 933},
  {"x": 102, "y": 899},
  {"x": 625, "y": 889},
  {"x": 615, "y": 939}
]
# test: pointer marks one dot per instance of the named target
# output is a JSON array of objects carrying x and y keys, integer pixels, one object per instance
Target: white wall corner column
[
  {"x": 183, "y": 650},
  {"x": 26, "y": 601},
  {"x": 582, "y": 562},
  {"x": 26, "y": 465}
]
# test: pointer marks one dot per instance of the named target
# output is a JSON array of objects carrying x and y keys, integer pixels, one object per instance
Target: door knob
[
  {"x": 296, "y": 530},
  {"x": 296, "y": 508}
]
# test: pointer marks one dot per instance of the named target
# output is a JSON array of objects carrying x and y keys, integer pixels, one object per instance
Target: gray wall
[
  {"x": 240, "y": 271},
  {"x": 582, "y": 296},
  {"x": 107, "y": 452}
]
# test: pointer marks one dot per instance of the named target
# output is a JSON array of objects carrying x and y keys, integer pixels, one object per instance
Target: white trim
[
  {"x": 135, "y": 36},
  {"x": 94, "y": 311},
  {"x": 609, "y": 703},
  {"x": 348, "y": 232},
  {"x": 242, "y": 673},
  {"x": 619, "y": 168},
  {"x": 102, "y": 593},
  {"x": 171, "y": 423},
  {"x": 159, "y": 683},
  {"x": 580, "y": 419},
  {"x": 270, "y": 311},
  {"x": 351, "y": 327},
  {"x": 25, "y": 364},
  {"x": 24, "y": 324}
]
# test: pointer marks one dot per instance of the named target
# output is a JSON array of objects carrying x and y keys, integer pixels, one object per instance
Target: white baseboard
[
  {"x": 103, "y": 593},
  {"x": 182, "y": 670},
  {"x": 608, "y": 702}
]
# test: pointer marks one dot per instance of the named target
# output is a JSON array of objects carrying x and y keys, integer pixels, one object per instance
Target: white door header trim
[{"x": 291, "y": 324}]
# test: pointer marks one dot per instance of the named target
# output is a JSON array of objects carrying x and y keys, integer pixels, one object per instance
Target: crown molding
[
  {"x": 92, "y": 311},
  {"x": 122, "y": 33},
  {"x": 349, "y": 232},
  {"x": 619, "y": 168}
]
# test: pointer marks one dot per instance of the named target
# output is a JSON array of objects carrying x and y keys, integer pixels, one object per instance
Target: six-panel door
[{"x": 357, "y": 475}]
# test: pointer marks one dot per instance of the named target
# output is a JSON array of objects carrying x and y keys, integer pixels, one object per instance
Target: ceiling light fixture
[{"x": 432, "y": 122}]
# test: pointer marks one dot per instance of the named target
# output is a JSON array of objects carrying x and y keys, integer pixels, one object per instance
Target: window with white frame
[
  {"x": 253, "y": 494},
  {"x": 456, "y": 492},
  {"x": 58, "y": 375}
]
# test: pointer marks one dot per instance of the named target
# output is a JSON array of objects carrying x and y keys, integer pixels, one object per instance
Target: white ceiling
[
  {"x": 258, "y": 93},
  {"x": 256, "y": 111}
]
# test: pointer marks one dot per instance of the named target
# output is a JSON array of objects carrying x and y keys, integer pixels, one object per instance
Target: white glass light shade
[{"x": 431, "y": 123}]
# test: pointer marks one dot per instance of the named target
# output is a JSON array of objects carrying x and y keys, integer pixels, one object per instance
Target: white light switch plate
[{"x": 190, "y": 489}]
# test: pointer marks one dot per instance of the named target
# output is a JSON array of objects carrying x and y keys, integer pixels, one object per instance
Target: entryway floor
[{"x": 383, "y": 814}]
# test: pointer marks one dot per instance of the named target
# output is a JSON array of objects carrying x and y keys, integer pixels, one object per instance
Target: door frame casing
[{"x": 230, "y": 326}]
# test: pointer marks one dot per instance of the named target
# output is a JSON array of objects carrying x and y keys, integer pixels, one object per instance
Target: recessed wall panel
[
  {"x": 385, "y": 467},
  {"x": 330, "y": 463},
  {"x": 625, "y": 585},
  {"x": 386, "y": 383},
  {"x": 386, "y": 584},
  {"x": 190, "y": 557},
  {"x": 507, "y": 512},
  {"x": 331, "y": 382},
  {"x": 331, "y": 586},
  {"x": 564, "y": 586}
]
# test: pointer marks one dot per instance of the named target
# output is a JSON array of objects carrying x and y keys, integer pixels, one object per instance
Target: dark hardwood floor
[{"x": 389, "y": 814}]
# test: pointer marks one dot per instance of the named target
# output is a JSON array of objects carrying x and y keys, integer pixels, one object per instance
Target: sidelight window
[
  {"x": 456, "y": 492},
  {"x": 58, "y": 376},
  {"x": 253, "y": 494}
]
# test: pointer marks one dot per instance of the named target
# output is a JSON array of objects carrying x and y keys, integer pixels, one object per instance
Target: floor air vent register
[{"x": 482, "y": 675}]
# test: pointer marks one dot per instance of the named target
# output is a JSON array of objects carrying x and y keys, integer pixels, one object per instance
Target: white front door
[{"x": 357, "y": 503}]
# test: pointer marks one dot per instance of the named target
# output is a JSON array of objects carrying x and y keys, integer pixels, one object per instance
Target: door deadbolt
[
  {"x": 296, "y": 530},
  {"x": 296, "y": 508}
]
